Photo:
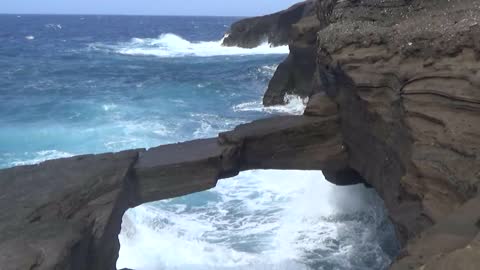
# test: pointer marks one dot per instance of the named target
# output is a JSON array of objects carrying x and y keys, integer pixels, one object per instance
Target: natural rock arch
[{"x": 67, "y": 213}]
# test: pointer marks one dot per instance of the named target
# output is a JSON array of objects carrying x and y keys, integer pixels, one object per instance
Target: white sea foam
[
  {"x": 293, "y": 105},
  {"x": 211, "y": 124},
  {"x": 41, "y": 156},
  {"x": 138, "y": 134},
  {"x": 29, "y": 37},
  {"x": 53, "y": 26},
  {"x": 257, "y": 220},
  {"x": 171, "y": 45},
  {"x": 268, "y": 70},
  {"x": 109, "y": 107}
]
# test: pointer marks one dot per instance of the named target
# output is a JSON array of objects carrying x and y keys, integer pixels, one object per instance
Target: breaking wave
[
  {"x": 293, "y": 105},
  {"x": 40, "y": 156},
  {"x": 292, "y": 220},
  {"x": 171, "y": 45}
]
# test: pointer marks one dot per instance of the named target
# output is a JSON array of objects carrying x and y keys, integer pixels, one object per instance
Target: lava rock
[{"x": 274, "y": 28}]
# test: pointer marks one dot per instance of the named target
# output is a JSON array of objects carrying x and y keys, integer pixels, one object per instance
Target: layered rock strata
[
  {"x": 395, "y": 102},
  {"x": 406, "y": 78},
  {"x": 297, "y": 27},
  {"x": 295, "y": 75},
  {"x": 67, "y": 213}
]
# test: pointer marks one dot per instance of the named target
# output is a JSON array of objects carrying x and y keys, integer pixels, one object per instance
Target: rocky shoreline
[
  {"x": 405, "y": 78},
  {"x": 394, "y": 91},
  {"x": 72, "y": 219},
  {"x": 296, "y": 27}
]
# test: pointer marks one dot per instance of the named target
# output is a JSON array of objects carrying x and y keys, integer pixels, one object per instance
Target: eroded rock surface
[
  {"x": 295, "y": 75},
  {"x": 67, "y": 213},
  {"x": 274, "y": 28},
  {"x": 405, "y": 76},
  {"x": 297, "y": 27}
]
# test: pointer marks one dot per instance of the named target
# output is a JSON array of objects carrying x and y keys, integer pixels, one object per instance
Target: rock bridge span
[{"x": 67, "y": 213}]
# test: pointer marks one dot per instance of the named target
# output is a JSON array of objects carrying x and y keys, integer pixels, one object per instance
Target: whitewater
[
  {"x": 171, "y": 45},
  {"x": 91, "y": 84}
]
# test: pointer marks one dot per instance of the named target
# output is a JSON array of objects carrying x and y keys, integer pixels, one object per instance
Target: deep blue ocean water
[{"x": 90, "y": 84}]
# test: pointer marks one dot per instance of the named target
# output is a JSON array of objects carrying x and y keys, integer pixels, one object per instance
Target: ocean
[{"x": 91, "y": 84}]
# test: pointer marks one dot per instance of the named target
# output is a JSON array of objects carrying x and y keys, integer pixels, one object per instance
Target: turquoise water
[{"x": 89, "y": 84}]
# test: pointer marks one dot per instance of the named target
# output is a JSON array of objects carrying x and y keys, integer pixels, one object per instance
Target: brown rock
[
  {"x": 295, "y": 75},
  {"x": 289, "y": 142},
  {"x": 321, "y": 105},
  {"x": 297, "y": 27},
  {"x": 405, "y": 77},
  {"x": 453, "y": 243}
]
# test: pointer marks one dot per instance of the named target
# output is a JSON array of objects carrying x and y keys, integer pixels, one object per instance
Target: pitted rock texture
[{"x": 406, "y": 78}]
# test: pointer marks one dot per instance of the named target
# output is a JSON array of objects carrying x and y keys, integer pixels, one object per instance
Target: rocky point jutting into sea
[{"x": 394, "y": 91}]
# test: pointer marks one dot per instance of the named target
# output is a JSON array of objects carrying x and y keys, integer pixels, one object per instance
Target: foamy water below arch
[{"x": 262, "y": 219}]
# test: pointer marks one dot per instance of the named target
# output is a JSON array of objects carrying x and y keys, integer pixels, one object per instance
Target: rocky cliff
[
  {"x": 297, "y": 27},
  {"x": 274, "y": 28},
  {"x": 405, "y": 77},
  {"x": 295, "y": 75},
  {"x": 394, "y": 102}
]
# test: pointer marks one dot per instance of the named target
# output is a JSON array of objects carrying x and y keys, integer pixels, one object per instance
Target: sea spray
[
  {"x": 294, "y": 105},
  {"x": 171, "y": 45},
  {"x": 258, "y": 220}
]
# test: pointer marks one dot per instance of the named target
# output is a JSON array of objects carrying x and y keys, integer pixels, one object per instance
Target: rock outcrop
[
  {"x": 295, "y": 75},
  {"x": 297, "y": 27},
  {"x": 405, "y": 76},
  {"x": 67, "y": 213},
  {"x": 274, "y": 28}
]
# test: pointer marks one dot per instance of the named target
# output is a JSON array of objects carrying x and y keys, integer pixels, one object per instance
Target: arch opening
[{"x": 261, "y": 219}]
